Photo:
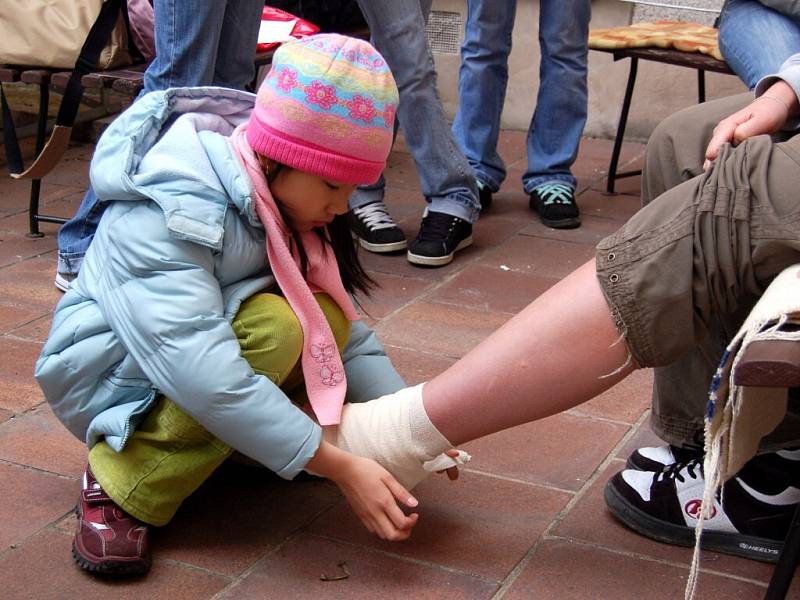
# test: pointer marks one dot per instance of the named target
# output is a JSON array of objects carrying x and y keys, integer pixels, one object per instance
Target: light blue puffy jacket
[{"x": 177, "y": 251}]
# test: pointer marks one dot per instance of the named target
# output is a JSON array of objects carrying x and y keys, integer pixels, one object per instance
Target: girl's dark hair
[
  {"x": 337, "y": 236},
  {"x": 354, "y": 277}
]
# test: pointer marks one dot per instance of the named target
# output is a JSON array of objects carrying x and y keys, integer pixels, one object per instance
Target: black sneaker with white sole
[
  {"x": 751, "y": 521},
  {"x": 375, "y": 229},
  {"x": 440, "y": 237},
  {"x": 556, "y": 205},
  {"x": 655, "y": 458}
]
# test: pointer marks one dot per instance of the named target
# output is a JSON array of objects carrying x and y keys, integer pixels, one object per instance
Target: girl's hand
[
  {"x": 766, "y": 114},
  {"x": 373, "y": 493}
]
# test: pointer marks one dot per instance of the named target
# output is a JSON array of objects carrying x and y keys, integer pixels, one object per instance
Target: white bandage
[{"x": 395, "y": 431}]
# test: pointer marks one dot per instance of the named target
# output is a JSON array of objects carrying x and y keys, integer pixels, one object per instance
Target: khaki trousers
[{"x": 685, "y": 271}]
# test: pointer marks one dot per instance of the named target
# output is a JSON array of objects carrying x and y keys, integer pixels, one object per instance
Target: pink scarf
[{"x": 322, "y": 365}]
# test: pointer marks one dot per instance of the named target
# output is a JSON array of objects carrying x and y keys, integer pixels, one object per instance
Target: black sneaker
[
  {"x": 757, "y": 505},
  {"x": 484, "y": 196},
  {"x": 440, "y": 237},
  {"x": 555, "y": 203},
  {"x": 658, "y": 457},
  {"x": 374, "y": 228}
]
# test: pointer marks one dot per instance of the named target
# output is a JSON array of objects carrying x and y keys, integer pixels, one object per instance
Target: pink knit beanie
[{"x": 326, "y": 107}]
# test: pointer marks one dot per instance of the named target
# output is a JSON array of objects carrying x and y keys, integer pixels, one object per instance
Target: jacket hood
[{"x": 172, "y": 147}]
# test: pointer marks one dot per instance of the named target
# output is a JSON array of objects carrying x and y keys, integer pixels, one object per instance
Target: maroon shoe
[{"x": 108, "y": 540}]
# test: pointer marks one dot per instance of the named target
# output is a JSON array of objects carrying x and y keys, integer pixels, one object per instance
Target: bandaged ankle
[
  {"x": 428, "y": 441},
  {"x": 395, "y": 431}
]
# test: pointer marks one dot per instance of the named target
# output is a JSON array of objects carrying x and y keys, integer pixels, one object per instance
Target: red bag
[{"x": 301, "y": 29}]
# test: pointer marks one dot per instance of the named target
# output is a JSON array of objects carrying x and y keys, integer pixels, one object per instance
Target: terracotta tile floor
[{"x": 526, "y": 520}]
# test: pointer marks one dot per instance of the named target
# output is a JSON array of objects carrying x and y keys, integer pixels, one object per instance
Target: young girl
[{"x": 218, "y": 283}]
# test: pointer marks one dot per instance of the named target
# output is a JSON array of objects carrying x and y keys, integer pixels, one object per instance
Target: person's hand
[
  {"x": 766, "y": 114},
  {"x": 373, "y": 493}
]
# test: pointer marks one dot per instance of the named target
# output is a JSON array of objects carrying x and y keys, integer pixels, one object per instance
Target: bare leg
[
  {"x": 563, "y": 349},
  {"x": 555, "y": 354}
]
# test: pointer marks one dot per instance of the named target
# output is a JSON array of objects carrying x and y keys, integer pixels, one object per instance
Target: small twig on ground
[{"x": 345, "y": 573}]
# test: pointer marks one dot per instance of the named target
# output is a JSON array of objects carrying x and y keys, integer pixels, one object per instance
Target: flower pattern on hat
[
  {"x": 287, "y": 79},
  {"x": 361, "y": 108},
  {"x": 319, "y": 93},
  {"x": 327, "y": 107}
]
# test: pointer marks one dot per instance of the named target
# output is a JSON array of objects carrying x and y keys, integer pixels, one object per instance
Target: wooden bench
[
  {"x": 691, "y": 60},
  {"x": 128, "y": 82},
  {"x": 40, "y": 78},
  {"x": 656, "y": 33}
]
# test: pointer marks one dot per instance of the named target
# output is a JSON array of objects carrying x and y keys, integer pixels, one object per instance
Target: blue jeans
[
  {"x": 448, "y": 183},
  {"x": 557, "y": 124},
  {"x": 208, "y": 42},
  {"x": 755, "y": 40}
]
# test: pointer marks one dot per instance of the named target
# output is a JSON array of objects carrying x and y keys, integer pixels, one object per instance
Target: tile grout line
[
  {"x": 572, "y": 412},
  {"x": 22, "y": 259},
  {"x": 15, "y": 415},
  {"x": 25, "y": 467},
  {"x": 654, "y": 559},
  {"x": 528, "y": 557},
  {"x": 407, "y": 559},
  {"x": 532, "y": 484},
  {"x": 190, "y": 567},
  {"x": 52, "y": 526},
  {"x": 13, "y": 336},
  {"x": 239, "y": 578},
  {"x": 437, "y": 284}
]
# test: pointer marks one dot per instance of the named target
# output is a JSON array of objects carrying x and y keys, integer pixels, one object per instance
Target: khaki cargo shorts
[{"x": 704, "y": 250}]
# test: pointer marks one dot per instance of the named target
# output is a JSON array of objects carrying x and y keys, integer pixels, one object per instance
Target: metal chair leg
[
  {"x": 623, "y": 121},
  {"x": 787, "y": 562},
  {"x": 36, "y": 184},
  {"x": 34, "y": 217},
  {"x": 701, "y": 86}
]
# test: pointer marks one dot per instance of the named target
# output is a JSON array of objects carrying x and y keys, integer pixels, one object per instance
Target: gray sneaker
[{"x": 64, "y": 280}]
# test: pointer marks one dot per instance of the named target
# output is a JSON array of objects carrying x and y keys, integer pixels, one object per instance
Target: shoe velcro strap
[{"x": 94, "y": 496}]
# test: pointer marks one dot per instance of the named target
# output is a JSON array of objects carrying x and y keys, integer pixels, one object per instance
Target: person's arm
[
  {"x": 788, "y": 73},
  {"x": 775, "y": 108}
]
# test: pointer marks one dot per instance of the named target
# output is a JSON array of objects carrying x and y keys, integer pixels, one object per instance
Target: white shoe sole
[
  {"x": 438, "y": 261},
  {"x": 62, "y": 283},
  {"x": 382, "y": 248}
]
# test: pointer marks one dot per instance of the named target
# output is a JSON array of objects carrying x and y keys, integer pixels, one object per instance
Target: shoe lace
[
  {"x": 375, "y": 216},
  {"x": 436, "y": 226},
  {"x": 555, "y": 193},
  {"x": 679, "y": 469}
]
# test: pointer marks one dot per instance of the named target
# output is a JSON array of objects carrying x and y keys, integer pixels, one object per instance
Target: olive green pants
[{"x": 170, "y": 454}]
